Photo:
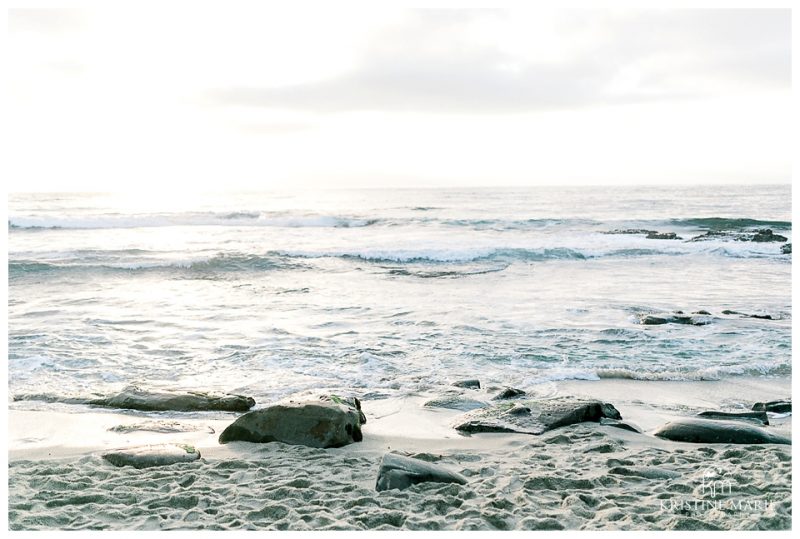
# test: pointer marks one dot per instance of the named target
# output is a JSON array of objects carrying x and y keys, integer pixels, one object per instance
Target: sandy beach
[{"x": 584, "y": 476}]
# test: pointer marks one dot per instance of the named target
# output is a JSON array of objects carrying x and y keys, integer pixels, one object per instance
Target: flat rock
[
  {"x": 746, "y": 315},
  {"x": 159, "y": 426},
  {"x": 646, "y": 472},
  {"x": 329, "y": 421},
  {"x": 624, "y": 425},
  {"x": 777, "y": 407},
  {"x": 674, "y": 318},
  {"x": 149, "y": 456},
  {"x": 468, "y": 384},
  {"x": 455, "y": 403},
  {"x": 508, "y": 393},
  {"x": 400, "y": 472},
  {"x": 718, "y": 432},
  {"x": 134, "y": 398},
  {"x": 757, "y": 417},
  {"x": 540, "y": 416},
  {"x": 663, "y": 236}
]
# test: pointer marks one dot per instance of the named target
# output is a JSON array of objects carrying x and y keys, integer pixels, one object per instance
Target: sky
[{"x": 171, "y": 99}]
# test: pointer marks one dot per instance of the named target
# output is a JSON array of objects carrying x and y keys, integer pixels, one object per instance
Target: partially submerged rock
[
  {"x": 746, "y": 315},
  {"x": 674, "y": 318},
  {"x": 152, "y": 455},
  {"x": 663, "y": 236},
  {"x": 766, "y": 235},
  {"x": 134, "y": 398},
  {"x": 468, "y": 384},
  {"x": 778, "y": 407},
  {"x": 508, "y": 393},
  {"x": 718, "y": 432},
  {"x": 455, "y": 402},
  {"x": 786, "y": 249},
  {"x": 399, "y": 472},
  {"x": 757, "y": 417},
  {"x": 541, "y": 416},
  {"x": 329, "y": 421}
]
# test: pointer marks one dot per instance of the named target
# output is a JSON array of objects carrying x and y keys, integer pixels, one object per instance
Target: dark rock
[
  {"x": 778, "y": 407},
  {"x": 399, "y": 472},
  {"x": 718, "y": 432},
  {"x": 663, "y": 236},
  {"x": 455, "y": 402},
  {"x": 675, "y": 318},
  {"x": 759, "y": 316},
  {"x": 765, "y": 235},
  {"x": 468, "y": 384},
  {"x": 508, "y": 393},
  {"x": 544, "y": 415},
  {"x": 134, "y": 398},
  {"x": 702, "y": 311},
  {"x": 632, "y": 231},
  {"x": 647, "y": 472},
  {"x": 625, "y": 425},
  {"x": 713, "y": 235},
  {"x": 757, "y": 417},
  {"x": 152, "y": 455},
  {"x": 329, "y": 421},
  {"x": 786, "y": 249},
  {"x": 160, "y": 426}
]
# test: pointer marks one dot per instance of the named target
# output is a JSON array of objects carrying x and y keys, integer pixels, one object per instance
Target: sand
[{"x": 583, "y": 476}]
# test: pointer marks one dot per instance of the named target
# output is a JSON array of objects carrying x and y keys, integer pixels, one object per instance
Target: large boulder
[
  {"x": 534, "y": 416},
  {"x": 329, "y": 421},
  {"x": 152, "y": 455},
  {"x": 397, "y": 471},
  {"x": 135, "y": 398},
  {"x": 705, "y": 431}
]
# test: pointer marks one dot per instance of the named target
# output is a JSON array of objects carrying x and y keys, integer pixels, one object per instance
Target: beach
[{"x": 653, "y": 304}]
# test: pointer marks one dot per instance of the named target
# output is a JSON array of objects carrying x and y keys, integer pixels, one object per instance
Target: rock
[
  {"x": 160, "y": 426},
  {"x": 786, "y": 249},
  {"x": 468, "y": 384},
  {"x": 330, "y": 421},
  {"x": 544, "y": 415},
  {"x": 675, "y": 318},
  {"x": 713, "y": 235},
  {"x": 508, "y": 393},
  {"x": 702, "y": 311},
  {"x": 778, "y": 407},
  {"x": 663, "y": 236},
  {"x": 399, "y": 472},
  {"x": 152, "y": 455},
  {"x": 632, "y": 231},
  {"x": 625, "y": 425},
  {"x": 759, "y": 316},
  {"x": 765, "y": 235},
  {"x": 135, "y": 398},
  {"x": 758, "y": 417},
  {"x": 455, "y": 402},
  {"x": 647, "y": 472},
  {"x": 718, "y": 432}
]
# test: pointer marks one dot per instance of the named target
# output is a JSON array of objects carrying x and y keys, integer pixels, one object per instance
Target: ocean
[{"x": 392, "y": 292}]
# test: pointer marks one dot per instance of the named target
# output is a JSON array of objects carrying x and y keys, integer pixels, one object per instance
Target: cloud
[{"x": 440, "y": 61}]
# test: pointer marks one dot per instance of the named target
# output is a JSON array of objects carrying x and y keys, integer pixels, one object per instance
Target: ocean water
[{"x": 391, "y": 291}]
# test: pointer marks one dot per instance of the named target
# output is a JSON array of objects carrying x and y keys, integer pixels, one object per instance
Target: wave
[
  {"x": 112, "y": 221},
  {"x": 707, "y": 374}
]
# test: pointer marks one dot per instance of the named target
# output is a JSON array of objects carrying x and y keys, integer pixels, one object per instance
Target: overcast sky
[{"x": 171, "y": 99}]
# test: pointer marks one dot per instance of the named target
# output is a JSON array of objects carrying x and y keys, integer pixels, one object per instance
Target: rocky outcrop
[
  {"x": 468, "y": 384},
  {"x": 757, "y": 417},
  {"x": 786, "y": 249},
  {"x": 766, "y": 235},
  {"x": 135, "y": 398},
  {"x": 777, "y": 407},
  {"x": 663, "y": 236},
  {"x": 149, "y": 456},
  {"x": 400, "y": 472},
  {"x": 745, "y": 315},
  {"x": 718, "y": 432},
  {"x": 329, "y": 421},
  {"x": 534, "y": 416},
  {"x": 674, "y": 318}
]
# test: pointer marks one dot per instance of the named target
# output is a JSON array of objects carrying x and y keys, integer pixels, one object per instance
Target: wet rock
[
  {"x": 718, "y": 432},
  {"x": 149, "y": 456},
  {"x": 330, "y": 421},
  {"x": 134, "y": 398},
  {"x": 160, "y": 426},
  {"x": 714, "y": 235},
  {"x": 646, "y": 472},
  {"x": 632, "y": 231},
  {"x": 766, "y": 235},
  {"x": 778, "y": 407},
  {"x": 400, "y": 472},
  {"x": 455, "y": 402},
  {"x": 702, "y": 311},
  {"x": 508, "y": 393},
  {"x": 624, "y": 425},
  {"x": 543, "y": 415},
  {"x": 663, "y": 236},
  {"x": 674, "y": 318},
  {"x": 757, "y": 417},
  {"x": 786, "y": 249},
  {"x": 746, "y": 315},
  {"x": 468, "y": 384}
]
